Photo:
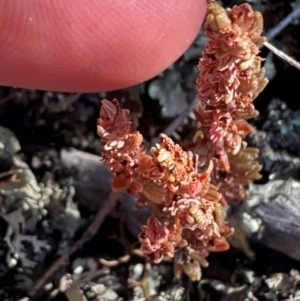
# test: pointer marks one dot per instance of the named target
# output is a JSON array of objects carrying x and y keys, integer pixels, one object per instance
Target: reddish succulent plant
[{"x": 187, "y": 220}]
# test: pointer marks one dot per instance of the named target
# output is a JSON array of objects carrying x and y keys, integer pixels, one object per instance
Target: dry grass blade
[{"x": 282, "y": 55}]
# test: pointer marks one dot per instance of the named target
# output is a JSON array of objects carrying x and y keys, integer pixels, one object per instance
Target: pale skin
[{"x": 92, "y": 45}]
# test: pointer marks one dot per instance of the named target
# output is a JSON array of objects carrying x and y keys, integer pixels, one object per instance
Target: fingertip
[{"x": 90, "y": 45}]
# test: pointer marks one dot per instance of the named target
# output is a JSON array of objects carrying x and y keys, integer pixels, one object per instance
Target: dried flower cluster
[
  {"x": 231, "y": 77},
  {"x": 187, "y": 220}
]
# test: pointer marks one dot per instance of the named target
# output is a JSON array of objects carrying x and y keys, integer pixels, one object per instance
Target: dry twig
[
  {"x": 108, "y": 205},
  {"x": 283, "y": 23},
  {"x": 179, "y": 119}
]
